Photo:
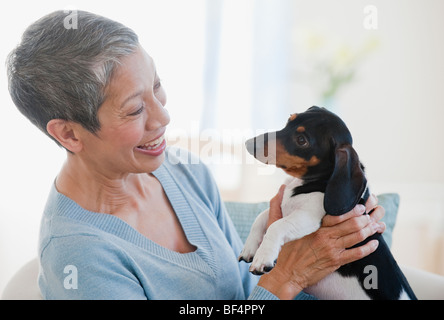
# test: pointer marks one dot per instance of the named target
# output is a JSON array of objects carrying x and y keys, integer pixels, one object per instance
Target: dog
[{"x": 315, "y": 148}]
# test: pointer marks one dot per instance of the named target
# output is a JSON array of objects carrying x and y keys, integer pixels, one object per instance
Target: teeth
[{"x": 153, "y": 144}]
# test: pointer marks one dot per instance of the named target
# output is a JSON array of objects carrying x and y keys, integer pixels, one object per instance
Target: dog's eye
[{"x": 301, "y": 140}]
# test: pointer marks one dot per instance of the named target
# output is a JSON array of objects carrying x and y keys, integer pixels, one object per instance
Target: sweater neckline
[{"x": 118, "y": 227}]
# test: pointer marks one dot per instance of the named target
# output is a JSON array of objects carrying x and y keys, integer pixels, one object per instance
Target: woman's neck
[{"x": 96, "y": 190}]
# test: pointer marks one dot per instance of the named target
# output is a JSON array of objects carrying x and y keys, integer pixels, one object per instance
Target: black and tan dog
[{"x": 315, "y": 148}]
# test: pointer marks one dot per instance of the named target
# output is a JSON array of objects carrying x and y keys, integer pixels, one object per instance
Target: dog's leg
[
  {"x": 255, "y": 237},
  {"x": 289, "y": 228}
]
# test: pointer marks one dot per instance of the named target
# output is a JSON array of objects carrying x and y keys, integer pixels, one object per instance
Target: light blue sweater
[{"x": 88, "y": 255}]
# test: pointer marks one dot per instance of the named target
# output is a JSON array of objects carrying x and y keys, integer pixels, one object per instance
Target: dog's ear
[{"x": 347, "y": 183}]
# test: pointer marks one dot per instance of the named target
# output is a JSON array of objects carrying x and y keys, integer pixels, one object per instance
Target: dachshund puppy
[{"x": 315, "y": 148}]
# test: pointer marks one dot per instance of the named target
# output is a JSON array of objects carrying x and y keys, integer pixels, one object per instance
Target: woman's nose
[{"x": 158, "y": 116}]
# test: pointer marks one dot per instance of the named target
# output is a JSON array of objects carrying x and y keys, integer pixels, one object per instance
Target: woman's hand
[
  {"x": 275, "y": 212},
  {"x": 303, "y": 262}
]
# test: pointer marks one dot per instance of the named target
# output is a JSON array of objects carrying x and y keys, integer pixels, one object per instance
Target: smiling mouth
[{"x": 152, "y": 145}]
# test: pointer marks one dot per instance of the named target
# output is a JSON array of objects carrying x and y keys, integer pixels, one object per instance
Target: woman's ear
[{"x": 65, "y": 132}]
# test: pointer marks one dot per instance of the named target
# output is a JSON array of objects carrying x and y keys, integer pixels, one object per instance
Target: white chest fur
[{"x": 302, "y": 215}]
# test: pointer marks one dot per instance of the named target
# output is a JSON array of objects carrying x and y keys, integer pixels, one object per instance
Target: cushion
[
  {"x": 23, "y": 285},
  {"x": 243, "y": 214}
]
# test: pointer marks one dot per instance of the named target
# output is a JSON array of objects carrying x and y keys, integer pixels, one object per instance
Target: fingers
[
  {"x": 330, "y": 221},
  {"x": 354, "y": 254},
  {"x": 354, "y": 238},
  {"x": 354, "y": 230},
  {"x": 275, "y": 212},
  {"x": 377, "y": 213},
  {"x": 355, "y": 226},
  {"x": 371, "y": 203},
  {"x": 359, "y": 228},
  {"x": 280, "y": 194}
]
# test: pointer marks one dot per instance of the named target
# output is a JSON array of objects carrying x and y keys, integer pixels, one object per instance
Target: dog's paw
[
  {"x": 260, "y": 270},
  {"x": 251, "y": 245},
  {"x": 247, "y": 259},
  {"x": 263, "y": 262},
  {"x": 247, "y": 254}
]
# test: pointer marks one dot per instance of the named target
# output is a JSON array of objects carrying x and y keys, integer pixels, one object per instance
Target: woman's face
[{"x": 133, "y": 120}]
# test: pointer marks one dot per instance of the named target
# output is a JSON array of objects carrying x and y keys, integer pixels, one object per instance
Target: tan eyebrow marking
[
  {"x": 300, "y": 129},
  {"x": 293, "y": 116}
]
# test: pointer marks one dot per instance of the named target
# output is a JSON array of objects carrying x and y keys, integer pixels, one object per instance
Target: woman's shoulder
[
  {"x": 66, "y": 224},
  {"x": 63, "y": 235},
  {"x": 89, "y": 260}
]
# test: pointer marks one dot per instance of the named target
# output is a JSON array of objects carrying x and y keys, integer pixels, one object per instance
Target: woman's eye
[
  {"x": 302, "y": 141},
  {"x": 157, "y": 85},
  {"x": 137, "y": 112}
]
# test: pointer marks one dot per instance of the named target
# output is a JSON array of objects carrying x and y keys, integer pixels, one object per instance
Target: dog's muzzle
[{"x": 263, "y": 147}]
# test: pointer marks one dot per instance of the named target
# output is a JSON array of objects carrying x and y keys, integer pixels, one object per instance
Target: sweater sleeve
[
  {"x": 87, "y": 268},
  {"x": 260, "y": 293}
]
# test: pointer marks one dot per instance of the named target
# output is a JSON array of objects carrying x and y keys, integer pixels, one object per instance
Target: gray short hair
[{"x": 60, "y": 73}]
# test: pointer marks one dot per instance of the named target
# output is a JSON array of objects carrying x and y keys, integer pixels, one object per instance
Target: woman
[{"x": 134, "y": 219}]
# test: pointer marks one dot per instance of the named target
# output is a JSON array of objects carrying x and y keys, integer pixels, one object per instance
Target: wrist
[{"x": 281, "y": 287}]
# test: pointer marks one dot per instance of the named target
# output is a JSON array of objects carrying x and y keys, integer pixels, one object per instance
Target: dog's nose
[{"x": 249, "y": 144}]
